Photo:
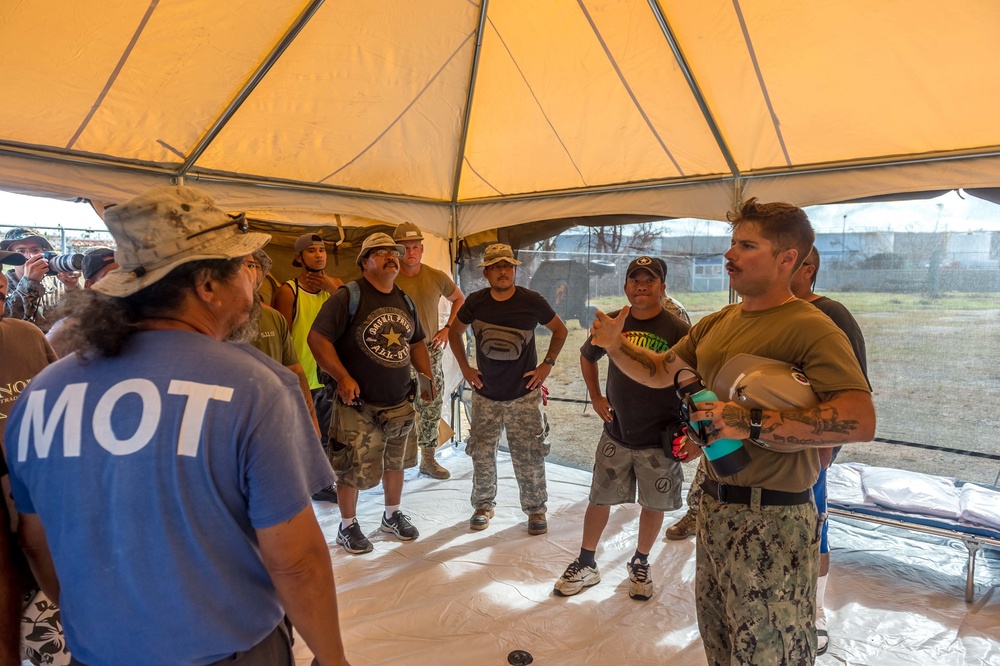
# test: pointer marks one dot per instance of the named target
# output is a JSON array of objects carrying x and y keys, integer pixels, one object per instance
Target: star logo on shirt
[{"x": 392, "y": 337}]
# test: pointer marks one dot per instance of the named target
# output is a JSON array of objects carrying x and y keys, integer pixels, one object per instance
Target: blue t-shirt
[{"x": 150, "y": 472}]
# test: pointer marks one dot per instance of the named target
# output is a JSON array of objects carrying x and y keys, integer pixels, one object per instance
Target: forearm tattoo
[
  {"x": 669, "y": 358},
  {"x": 641, "y": 357},
  {"x": 736, "y": 417}
]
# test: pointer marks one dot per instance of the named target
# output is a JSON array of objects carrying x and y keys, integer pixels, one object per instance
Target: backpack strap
[{"x": 354, "y": 292}]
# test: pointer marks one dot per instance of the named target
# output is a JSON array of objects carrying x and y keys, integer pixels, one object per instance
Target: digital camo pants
[
  {"x": 755, "y": 584},
  {"x": 695, "y": 491},
  {"x": 429, "y": 413},
  {"x": 524, "y": 421}
]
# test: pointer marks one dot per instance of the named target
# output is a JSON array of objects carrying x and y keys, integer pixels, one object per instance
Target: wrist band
[{"x": 756, "y": 418}]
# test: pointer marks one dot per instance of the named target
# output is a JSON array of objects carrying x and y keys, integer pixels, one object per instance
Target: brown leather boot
[
  {"x": 683, "y": 528},
  {"x": 430, "y": 466},
  {"x": 537, "y": 524}
]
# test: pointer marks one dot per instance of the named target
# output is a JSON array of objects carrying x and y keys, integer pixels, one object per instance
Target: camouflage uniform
[
  {"x": 527, "y": 428},
  {"x": 695, "y": 491},
  {"x": 429, "y": 413},
  {"x": 756, "y": 583}
]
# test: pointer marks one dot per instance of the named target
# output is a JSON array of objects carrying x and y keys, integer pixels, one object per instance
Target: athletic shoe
[
  {"x": 683, "y": 528},
  {"x": 400, "y": 525},
  {"x": 537, "y": 524},
  {"x": 328, "y": 494},
  {"x": 353, "y": 540},
  {"x": 575, "y": 578},
  {"x": 480, "y": 519},
  {"x": 640, "y": 584}
]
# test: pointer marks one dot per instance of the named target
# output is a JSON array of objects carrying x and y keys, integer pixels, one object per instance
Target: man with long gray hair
[{"x": 162, "y": 475}]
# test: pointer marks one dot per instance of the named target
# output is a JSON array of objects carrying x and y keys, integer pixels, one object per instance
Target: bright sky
[{"x": 950, "y": 212}]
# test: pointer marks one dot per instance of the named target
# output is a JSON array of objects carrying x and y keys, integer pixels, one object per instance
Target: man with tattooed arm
[{"x": 758, "y": 538}]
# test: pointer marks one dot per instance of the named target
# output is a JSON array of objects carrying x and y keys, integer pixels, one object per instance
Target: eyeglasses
[
  {"x": 385, "y": 252},
  {"x": 239, "y": 220}
]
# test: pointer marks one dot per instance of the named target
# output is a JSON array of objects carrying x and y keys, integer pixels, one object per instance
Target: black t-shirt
[
  {"x": 375, "y": 346},
  {"x": 845, "y": 321},
  {"x": 505, "y": 339},
  {"x": 640, "y": 412}
]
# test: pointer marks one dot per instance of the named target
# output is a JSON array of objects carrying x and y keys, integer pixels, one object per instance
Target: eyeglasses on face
[{"x": 384, "y": 252}]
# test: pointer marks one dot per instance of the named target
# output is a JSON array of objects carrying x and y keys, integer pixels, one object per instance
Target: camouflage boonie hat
[
  {"x": 23, "y": 233},
  {"x": 165, "y": 227},
  {"x": 498, "y": 252}
]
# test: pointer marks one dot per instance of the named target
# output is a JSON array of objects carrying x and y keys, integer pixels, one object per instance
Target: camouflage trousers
[
  {"x": 695, "y": 491},
  {"x": 429, "y": 413},
  {"x": 365, "y": 444},
  {"x": 526, "y": 426},
  {"x": 755, "y": 584}
]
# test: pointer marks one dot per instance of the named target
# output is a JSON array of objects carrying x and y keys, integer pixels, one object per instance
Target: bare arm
[
  {"x": 36, "y": 549},
  {"x": 840, "y": 418},
  {"x": 538, "y": 376},
  {"x": 307, "y": 394},
  {"x": 326, "y": 356},
  {"x": 296, "y": 557},
  {"x": 653, "y": 369},
  {"x": 592, "y": 378},
  {"x": 284, "y": 299},
  {"x": 471, "y": 375},
  {"x": 440, "y": 339}
]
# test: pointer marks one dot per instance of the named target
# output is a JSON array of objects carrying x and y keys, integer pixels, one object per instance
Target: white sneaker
[
  {"x": 575, "y": 578},
  {"x": 640, "y": 584}
]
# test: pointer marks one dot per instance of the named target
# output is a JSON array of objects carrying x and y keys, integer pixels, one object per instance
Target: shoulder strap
[
  {"x": 354, "y": 291},
  {"x": 294, "y": 283}
]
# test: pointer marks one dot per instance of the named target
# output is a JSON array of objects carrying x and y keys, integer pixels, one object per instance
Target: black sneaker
[
  {"x": 328, "y": 494},
  {"x": 399, "y": 525},
  {"x": 353, "y": 540}
]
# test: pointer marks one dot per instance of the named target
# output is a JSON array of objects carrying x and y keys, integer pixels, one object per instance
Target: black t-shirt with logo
[
  {"x": 375, "y": 346},
  {"x": 505, "y": 339},
  {"x": 640, "y": 412}
]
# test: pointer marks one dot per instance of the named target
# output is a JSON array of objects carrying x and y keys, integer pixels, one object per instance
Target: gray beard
[{"x": 249, "y": 330}]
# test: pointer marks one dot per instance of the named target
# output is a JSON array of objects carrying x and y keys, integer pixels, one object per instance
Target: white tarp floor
[{"x": 460, "y": 597}]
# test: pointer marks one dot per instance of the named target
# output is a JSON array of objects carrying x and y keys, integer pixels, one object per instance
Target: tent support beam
[
  {"x": 682, "y": 62},
  {"x": 58, "y": 156},
  {"x": 473, "y": 75},
  {"x": 293, "y": 31}
]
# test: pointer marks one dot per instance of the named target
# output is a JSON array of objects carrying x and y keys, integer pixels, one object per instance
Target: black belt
[{"x": 741, "y": 495}]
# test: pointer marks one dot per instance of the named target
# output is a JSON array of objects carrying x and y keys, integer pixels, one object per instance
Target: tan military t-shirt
[
  {"x": 426, "y": 289},
  {"x": 796, "y": 333}
]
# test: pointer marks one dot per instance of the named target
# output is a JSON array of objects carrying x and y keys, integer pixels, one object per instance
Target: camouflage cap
[
  {"x": 168, "y": 226},
  {"x": 23, "y": 233},
  {"x": 498, "y": 252}
]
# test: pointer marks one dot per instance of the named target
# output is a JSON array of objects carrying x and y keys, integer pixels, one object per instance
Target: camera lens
[{"x": 65, "y": 263}]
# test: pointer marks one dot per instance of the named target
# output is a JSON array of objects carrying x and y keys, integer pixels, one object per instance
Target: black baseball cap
[
  {"x": 95, "y": 260},
  {"x": 655, "y": 266}
]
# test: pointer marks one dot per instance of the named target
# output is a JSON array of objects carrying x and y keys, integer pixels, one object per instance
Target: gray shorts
[{"x": 620, "y": 473}]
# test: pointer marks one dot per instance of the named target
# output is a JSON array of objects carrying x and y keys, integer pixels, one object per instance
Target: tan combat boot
[{"x": 430, "y": 466}]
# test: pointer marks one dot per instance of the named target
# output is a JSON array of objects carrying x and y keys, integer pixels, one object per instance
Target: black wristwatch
[
  {"x": 756, "y": 418},
  {"x": 551, "y": 361}
]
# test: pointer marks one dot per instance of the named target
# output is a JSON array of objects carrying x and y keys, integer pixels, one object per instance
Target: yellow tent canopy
[{"x": 468, "y": 115}]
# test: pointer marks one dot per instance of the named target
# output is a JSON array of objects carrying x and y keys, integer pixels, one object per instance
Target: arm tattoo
[
  {"x": 822, "y": 424},
  {"x": 669, "y": 359},
  {"x": 640, "y": 357},
  {"x": 736, "y": 417}
]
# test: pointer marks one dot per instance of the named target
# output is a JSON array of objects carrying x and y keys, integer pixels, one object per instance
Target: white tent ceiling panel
[{"x": 393, "y": 109}]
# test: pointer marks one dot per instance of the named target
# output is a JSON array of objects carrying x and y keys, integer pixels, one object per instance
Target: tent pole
[
  {"x": 457, "y": 179},
  {"x": 668, "y": 33},
  {"x": 293, "y": 31}
]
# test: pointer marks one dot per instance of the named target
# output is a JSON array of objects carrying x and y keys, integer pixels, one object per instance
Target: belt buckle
[{"x": 722, "y": 494}]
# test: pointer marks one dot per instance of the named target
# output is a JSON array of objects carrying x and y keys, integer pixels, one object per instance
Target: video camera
[{"x": 63, "y": 263}]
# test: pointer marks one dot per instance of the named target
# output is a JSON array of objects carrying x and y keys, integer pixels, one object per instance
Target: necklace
[{"x": 788, "y": 300}]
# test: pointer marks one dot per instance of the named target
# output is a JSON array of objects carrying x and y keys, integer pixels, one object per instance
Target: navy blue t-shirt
[
  {"x": 151, "y": 472},
  {"x": 640, "y": 412},
  {"x": 505, "y": 338}
]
